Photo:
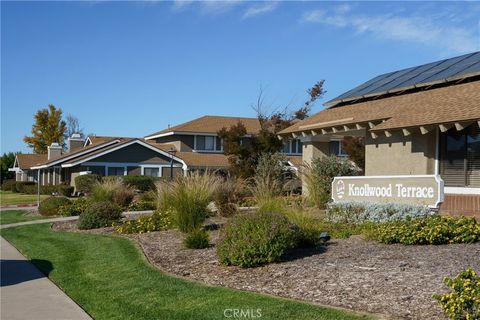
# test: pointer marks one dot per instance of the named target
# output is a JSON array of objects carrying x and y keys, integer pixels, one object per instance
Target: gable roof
[
  {"x": 26, "y": 161},
  {"x": 442, "y": 71},
  {"x": 114, "y": 147},
  {"x": 208, "y": 124},
  {"x": 460, "y": 102}
]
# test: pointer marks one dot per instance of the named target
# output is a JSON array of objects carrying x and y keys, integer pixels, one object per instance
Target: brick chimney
[
  {"x": 75, "y": 142},
  {"x": 54, "y": 151}
]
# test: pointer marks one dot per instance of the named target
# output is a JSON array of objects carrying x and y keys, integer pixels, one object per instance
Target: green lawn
[
  {"x": 111, "y": 279},
  {"x": 8, "y": 197},
  {"x": 14, "y": 216}
]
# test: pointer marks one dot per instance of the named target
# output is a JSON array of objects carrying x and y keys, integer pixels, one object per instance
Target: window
[
  {"x": 116, "y": 171},
  {"x": 205, "y": 143},
  {"x": 336, "y": 149},
  {"x": 460, "y": 157},
  {"x": 292, "y": 147},
  {"x": 151, "y": 172},
  {"x": 218, "y": 144}
]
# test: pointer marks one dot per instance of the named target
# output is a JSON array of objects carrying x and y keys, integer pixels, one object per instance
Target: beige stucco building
[{"x": 417, "y": 121}]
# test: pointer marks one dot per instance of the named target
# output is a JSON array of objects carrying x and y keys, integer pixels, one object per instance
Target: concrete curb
[{"x": 40, "y": 221}]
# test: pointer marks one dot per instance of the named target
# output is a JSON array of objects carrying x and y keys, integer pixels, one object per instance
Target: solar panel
[{"x": 398, "y": 80}]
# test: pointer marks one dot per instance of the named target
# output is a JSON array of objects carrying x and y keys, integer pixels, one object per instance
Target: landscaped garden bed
[
  {"x": 395, "y": 280},
  {"x": 380, "y": 260}
]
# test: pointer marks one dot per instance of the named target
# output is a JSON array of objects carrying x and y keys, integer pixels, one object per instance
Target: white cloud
[
  {"x": 343, "y": 8},
  {"x": 258, "y": 9},
  {"x": 206, "y": 6},
  {"x": 422, "y": 29},
  {"x": 218, "y": 7},
  {"x": 181, "y": 4}
]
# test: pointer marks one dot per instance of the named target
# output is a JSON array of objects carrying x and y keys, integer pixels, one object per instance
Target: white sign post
[{"x": 412, "y": 189}]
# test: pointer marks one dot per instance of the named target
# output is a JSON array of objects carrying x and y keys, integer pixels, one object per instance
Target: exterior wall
[
  {"x": 176, "y": 172},
  {"x": 134, "y": 153},
  {"x": 314, "y": 149},
  {"x": 460, "y": 204},
  {"x": 400, "y": 155},
  {"x": 184, "y": 143},
  {"x": 310, "y": 151},
  {"x": 134, "y": 171}
]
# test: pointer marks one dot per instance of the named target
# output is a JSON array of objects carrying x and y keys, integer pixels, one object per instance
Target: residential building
[{"x": 422, "y": 120}]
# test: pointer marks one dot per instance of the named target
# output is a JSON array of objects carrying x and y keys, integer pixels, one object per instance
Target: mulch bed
[{"x": 394, "y": 280}]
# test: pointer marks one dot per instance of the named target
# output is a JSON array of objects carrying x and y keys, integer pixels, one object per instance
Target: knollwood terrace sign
[{"x": 420, "y": 189}]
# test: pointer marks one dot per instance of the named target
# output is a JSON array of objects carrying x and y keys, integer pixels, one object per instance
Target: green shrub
[
  {"x": 361, "y": 212},
  {"x": 310, "y": 228},
  {"x": 196, "y": 239},
  {"x": 20, "y": 186},
  {"x": 75, "y": 208},
  {"x": 86, "y": 182},
  {"x": 188, "y": 198},
  {"x": 51, "y": 205},
  {"x": 99, "y": 215},
  {"x": 156, "y": 222},
  {"x": 8, "y": 185},
  {"x": 253, "y": 239},
  {"x": 142, "y": 205},
  {"x": 433, "y": 230},
  {"x": 464, "y": 301},
  {"x": 65, "y": 190},
  {"x": 140, "y": 183},
  {"x": 318, "y": 177},
  {"x": 112, "y": 190},
  {"x": 61, "y": 189}
]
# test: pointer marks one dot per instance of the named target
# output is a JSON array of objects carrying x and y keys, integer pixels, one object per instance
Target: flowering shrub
[
  {"x": 160, "y": 220},
  {"x": 433, "y": 230},
  {"x": 253, "y": 239},
  {"x": 75, "y": 208},
  {"x": 361, "y": 212},
  {"x": 51, "y": 205},
  {"x": 464, "y": 301},
  {"x": 142, "y": 205}
]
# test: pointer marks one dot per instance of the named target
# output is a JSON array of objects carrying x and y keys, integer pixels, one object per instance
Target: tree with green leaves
[
  {"x": 6, "y": 162},
  {"x": 243, "y": 152},
  {"x": 48, "y": 128}
]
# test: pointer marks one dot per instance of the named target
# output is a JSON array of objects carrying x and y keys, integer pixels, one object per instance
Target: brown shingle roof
[
  {"x": 25, "y": 161},
  {"x": 80, "y": 151},
  {"x": 435, "y": 106},
  {"x": 208, "y": 160},
  {"x": 212, "y": 124}
]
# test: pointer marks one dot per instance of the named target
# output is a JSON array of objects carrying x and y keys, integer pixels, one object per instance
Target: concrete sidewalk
[
  {"x": 39, "y": 221},
  {"x": 26, "y": 293}
]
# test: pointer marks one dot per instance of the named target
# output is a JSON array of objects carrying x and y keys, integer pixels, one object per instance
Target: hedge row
[
  {"x": 30, "y": 187},
  {"x": 85, "y": 183}
]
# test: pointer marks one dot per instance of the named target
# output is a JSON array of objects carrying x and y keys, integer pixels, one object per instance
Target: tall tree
[
  {"x": 6, "y": 162},
  {"x": 73, "y": 126},
  {"x": 47, "y": 128},
  {"x": 243, "y": 153}
]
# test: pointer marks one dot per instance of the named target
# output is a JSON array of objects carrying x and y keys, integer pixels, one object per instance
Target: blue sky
[{"x": 132, "y": 68}]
